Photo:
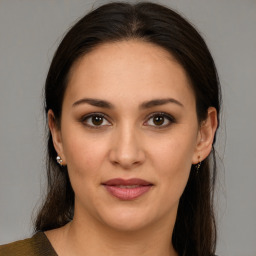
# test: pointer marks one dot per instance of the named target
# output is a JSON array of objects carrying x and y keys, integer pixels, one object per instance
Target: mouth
[{"x": 127, "y": 189}]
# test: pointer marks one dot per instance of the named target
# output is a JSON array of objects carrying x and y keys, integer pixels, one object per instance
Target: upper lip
[{"x": 124, "y": 182}]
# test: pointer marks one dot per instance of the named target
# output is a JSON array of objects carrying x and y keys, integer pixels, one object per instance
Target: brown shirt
[{"x": 37, "y": 245}]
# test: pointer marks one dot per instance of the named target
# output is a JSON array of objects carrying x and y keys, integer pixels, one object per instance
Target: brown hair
[{"x": 195, "y": 230}]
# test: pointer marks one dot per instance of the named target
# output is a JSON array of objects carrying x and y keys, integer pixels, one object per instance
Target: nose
[{"x": 126, "y": 148}]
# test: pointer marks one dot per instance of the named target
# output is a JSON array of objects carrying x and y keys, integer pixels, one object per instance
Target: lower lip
[{"x": 127, "y": 193}]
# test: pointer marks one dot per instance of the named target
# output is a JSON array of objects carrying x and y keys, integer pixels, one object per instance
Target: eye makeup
[{"x": 98, "y": 120}]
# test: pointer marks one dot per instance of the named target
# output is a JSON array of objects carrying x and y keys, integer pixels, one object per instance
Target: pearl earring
[{"x": 59, "y": 160}]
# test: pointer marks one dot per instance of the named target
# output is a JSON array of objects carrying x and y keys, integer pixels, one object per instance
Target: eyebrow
[
  {"x": 144, "y": 105},
  {"x": 94, "y": 102},
  {"x": 159, "y": 102}
]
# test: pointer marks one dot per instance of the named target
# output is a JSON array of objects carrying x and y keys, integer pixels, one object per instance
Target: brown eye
[
  {"x": 158, "y": 120},
  {"x": 95, "y": 120}
]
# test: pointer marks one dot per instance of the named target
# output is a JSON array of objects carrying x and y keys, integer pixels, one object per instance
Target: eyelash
[
  {"x": 85, "y": 118},
  {"x": 170, "y": 120}
]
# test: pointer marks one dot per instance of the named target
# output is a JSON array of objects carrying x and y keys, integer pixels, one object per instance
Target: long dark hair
[{"x": 195, "y": 230}]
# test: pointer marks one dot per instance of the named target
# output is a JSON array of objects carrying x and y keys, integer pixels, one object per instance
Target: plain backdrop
[{"x": 30, "y": 31}]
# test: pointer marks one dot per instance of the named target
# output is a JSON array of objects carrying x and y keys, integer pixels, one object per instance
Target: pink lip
[{"x": 113, "y": 187}]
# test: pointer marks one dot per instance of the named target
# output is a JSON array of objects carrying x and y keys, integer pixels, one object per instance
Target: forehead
[{"x": 130, "y": 71}]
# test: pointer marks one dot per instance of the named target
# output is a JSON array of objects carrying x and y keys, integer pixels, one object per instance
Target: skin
[{"x": 129, "y": 143}]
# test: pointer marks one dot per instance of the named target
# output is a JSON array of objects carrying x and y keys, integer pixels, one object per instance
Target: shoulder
[{"x": 37, "y": 245}]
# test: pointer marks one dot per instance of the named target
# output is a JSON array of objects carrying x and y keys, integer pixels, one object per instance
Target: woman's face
[{"x": 129, "y": 134}]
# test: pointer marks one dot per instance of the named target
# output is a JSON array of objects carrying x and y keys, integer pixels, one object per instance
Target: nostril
[{"x": 126, "y": 163}]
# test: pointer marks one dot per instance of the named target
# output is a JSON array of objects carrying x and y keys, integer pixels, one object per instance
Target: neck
[{"x": 102, "y": 240}]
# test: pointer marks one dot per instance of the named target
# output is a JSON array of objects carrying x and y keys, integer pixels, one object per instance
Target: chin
[{"x": 127, "y": 219}]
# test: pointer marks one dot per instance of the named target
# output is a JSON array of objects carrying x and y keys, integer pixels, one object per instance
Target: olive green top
[{"x": 37, "y": 245}]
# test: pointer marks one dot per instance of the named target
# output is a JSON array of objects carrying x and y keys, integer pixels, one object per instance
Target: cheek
[
  {"x": 84, "y": 154},
  {"x": 172, "y": 160},
  {"x": 174, "y": 152}
]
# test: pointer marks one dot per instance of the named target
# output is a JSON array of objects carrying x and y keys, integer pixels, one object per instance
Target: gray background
[{"x": 30, "y": 31}]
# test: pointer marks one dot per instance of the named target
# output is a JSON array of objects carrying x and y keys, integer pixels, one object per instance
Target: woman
[{"x": 132, "y": 100}]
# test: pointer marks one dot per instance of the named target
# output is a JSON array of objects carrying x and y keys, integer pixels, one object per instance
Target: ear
[
  {"x": 56, "y": 135},
  {"x": 205, "y": 136}
]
